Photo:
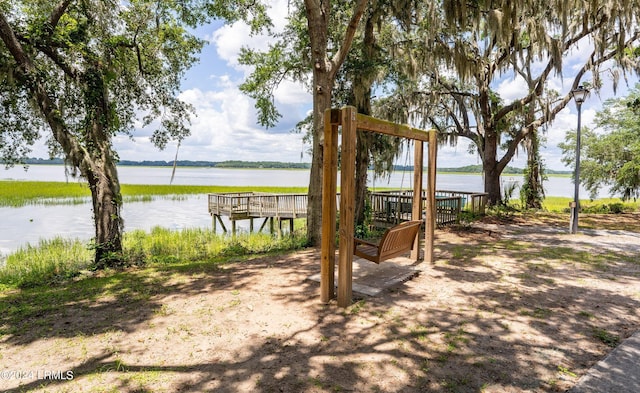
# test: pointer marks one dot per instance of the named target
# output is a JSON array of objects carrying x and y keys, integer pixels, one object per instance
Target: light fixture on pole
[{"x": 579, "y": 95}]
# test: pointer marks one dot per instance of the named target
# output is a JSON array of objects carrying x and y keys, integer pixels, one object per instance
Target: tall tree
[
  {"x": 371, "y": 63},
  {"x": 610, "y": 154},
  {"x": 486, "y": 42},
  {"x": 318, "y": 48},
  {"x": 85, "y": 69}
]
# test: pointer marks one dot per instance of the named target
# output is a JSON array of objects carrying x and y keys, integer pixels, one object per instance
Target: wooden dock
[
  {"x": 252, "y": 205},
  {"x": 389, "y": 207}
]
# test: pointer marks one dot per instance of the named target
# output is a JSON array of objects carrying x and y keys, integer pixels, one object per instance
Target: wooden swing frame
[{"x": 351, "y": 121}]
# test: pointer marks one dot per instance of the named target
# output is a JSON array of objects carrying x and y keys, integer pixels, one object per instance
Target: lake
[{"x": 28, "y": 224}]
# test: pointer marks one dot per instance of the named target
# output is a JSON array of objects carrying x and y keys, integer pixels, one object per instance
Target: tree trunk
[
  {"x": 362, "y": 167},
  {"x": 490, "y": 167},
  {"x": 106, "y": 201},
  {"x": 324, "y": 73},
  {"x": 97, "y": 165},
  {"x": 321, "y": 102},
  {"x": 492, "y": 185},
  {"x": 361, "y": 92},
  {"x": 532, "y": 190}
]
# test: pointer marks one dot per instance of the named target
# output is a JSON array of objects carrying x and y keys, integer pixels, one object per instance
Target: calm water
[{"x": 19, "y": 226}]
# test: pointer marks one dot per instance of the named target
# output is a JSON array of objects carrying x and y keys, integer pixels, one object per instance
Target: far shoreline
[{"x": 442, "y": 171}]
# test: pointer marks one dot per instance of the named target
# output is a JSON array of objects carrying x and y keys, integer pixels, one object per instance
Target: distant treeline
[
  {"x": 189, "y": 163},
  {"x": 478, "y": 169},
  {"x": 281, "y": 165}
]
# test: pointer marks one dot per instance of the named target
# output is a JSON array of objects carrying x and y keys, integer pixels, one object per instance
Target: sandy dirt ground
[{"x": 508, "y": 306}]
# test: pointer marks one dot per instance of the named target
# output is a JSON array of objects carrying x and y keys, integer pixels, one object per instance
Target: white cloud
[
  {"x": 292, "y": 93},
  {"x": 224, "y": 129},
  {"x": 229, "y": 39},
  {"x": 512, "y": 88}
]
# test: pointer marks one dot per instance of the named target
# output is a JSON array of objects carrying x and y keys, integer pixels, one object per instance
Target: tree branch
[
  {"x": 524, "y": 132},
  {"x": 541, "y": 80},
  {"x": 341, "y": 54},
  {"x": 57, "y": 13},
  {"x": 48, "y": 108}
]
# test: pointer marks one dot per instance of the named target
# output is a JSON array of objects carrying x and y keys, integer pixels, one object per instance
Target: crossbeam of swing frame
[{"x": 351, "y": 121}]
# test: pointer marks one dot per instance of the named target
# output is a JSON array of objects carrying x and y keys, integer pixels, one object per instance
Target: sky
[{"x": 225, "y": 126}]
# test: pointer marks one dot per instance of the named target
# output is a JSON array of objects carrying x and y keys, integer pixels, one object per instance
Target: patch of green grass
[
  {"x": 357, "y": 307},
  {"x": 606, "y": 338},
  {"x": 455, "y": 384},
  {"x": 566, "y": 371},
  {"x": 545, "y": 258},
  {"x": 49, "y": 262},
  {"x": 602, "y": 205},
  {"x": 544, "y": 267},
  {"x": 514, "y": 245},
  {"x": 586, "y": 314},
  {"x": 538, "y": 313},
  {"x": 21, "y": 193},
  {"x": 18, "y": 193},
  {"x": 454, "y": 339},
  {"x": 421, "y": 332}
]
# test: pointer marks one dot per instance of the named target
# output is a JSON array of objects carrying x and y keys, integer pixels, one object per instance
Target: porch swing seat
[{"x": 395, "y": 241}]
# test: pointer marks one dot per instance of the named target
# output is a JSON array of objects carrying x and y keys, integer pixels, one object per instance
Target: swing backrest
[{"x": 395, "y": 241}]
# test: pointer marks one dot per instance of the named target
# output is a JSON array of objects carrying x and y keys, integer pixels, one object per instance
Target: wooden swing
[
  {"x": 350, "y": 121},
  {"x": 395, "y": 241}
]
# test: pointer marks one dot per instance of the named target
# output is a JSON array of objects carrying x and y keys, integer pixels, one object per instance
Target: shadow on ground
[{"x": 492, "y": 315}]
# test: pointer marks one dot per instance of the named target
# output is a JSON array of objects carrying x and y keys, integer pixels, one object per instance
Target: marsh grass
[
  {"x": 49, "y": 261},
  {"x": 22, "y": 193},
  {"x": 603, "y": 205},
  {"x": 58, "y": 260}
]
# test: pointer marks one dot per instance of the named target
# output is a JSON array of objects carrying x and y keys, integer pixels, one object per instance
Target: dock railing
[
  {"x": 253, "y": 205},
  {"x": 233, "y": 204},
  {"x": 473, "y": 202},
  {"x": 387, "y": 206},
  {"x": 278, "y": 205},
  {"x": 394, "y": 206}
]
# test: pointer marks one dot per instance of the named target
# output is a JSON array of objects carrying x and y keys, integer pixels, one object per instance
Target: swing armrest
[{"x": 357, "y": 241}]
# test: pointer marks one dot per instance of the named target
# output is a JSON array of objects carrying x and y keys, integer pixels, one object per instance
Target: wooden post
[
  {"x": 224, "y": 228},
  {"x": 213, "y": 219},
  {"x": 250, "y": 225},
  {"x": 329, "y": 185},
  {"x": 347, "y": 202},
  {"x": 416, "y": 213},
  {"x": 263, "y": 224},
  {"x": 430, "y": 224}
]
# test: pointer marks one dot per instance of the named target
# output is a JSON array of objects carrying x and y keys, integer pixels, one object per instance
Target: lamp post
[{"x": 579, "y": 95}]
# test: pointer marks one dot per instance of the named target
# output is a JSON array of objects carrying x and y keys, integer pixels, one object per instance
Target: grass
[
  {"x": 58, "y": 260},
  {"x": 603, "y": 205},
  {"x": 22, "y": 193},
  {"x": 48, "y": 262},
  {"x": 605, "y": 337}
]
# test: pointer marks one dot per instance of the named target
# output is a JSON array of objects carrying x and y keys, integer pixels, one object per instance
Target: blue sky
[{"x": 225, "y": 127}]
